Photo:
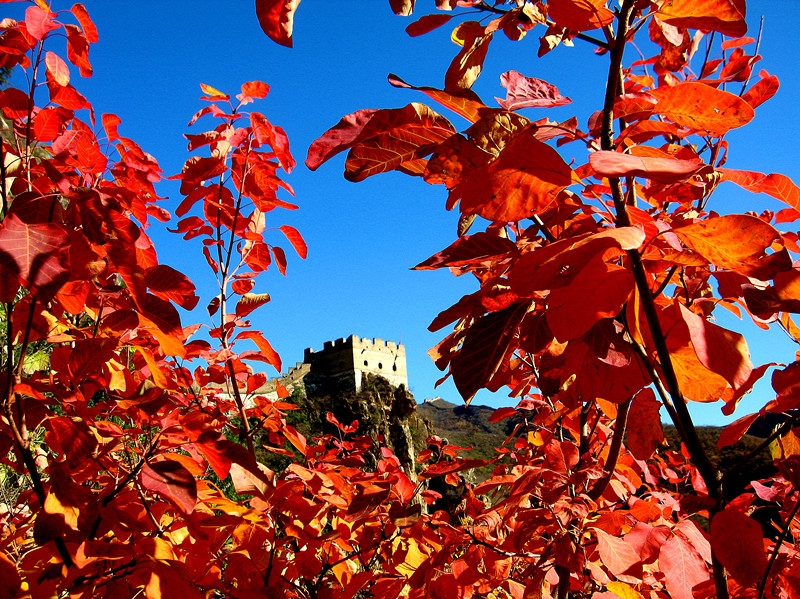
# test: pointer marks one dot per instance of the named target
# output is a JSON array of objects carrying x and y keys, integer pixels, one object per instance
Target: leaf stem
[{"x": 776, "y": 550}]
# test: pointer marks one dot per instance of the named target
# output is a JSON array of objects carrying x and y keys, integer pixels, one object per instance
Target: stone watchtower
[{"x": 346, "y": 361}]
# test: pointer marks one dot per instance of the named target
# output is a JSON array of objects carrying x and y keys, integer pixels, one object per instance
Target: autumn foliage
[{"x": 128, "y": 437}]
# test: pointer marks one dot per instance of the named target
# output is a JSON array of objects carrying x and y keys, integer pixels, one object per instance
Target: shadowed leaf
[{"x": 172, "y": 481}]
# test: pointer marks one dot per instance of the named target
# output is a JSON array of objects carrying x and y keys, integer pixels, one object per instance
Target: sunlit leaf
[
  {"x": 529, "y": 92},
  {"x": 525, "y": 179},
  {"x": 725, "y": 16},
  {"x": 738, "y": 242},
  {"x": 702, "y": 108}
]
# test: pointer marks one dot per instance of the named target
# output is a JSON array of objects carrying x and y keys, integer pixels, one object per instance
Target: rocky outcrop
[{"x": 385, "y": 413}]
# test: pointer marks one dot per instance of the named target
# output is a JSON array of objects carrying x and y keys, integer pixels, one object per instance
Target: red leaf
[
  {"x": 297, "y": 241},
  {"x": 295, "y": 438},
  {"x": 718, "y": 349},
  {"x": 39, "y": 257},
  {"x": 502, "y": 413},
  {"x": 249, "y": 302},
  {"x": 50, "y": 122},
  {"x": 579, "y": 15},
  {"x": 524, "y": 180},
  {"x": 169, "y": 284},
  {"x": 663, "y": 170},
  {"x": 683, "y": 567},
  {"x": 762, "y": 91},
  {"x": 172, "y": 481},
  {"x": 391, "y": 137},
  {"x": 474, "y": 249},
  {"x": 561, "y": 457},
  {"x": 242, "y": 286},
  {"x": 486, "y": 345},
  {"x": 90, "y": 159},
  {"x": 599, "y": 290},
  {"x": 427, "y": 23},
  {"x": 14, "y": 103},
  {"x": 270, "y": 354},
  {"x": 616, "y": 554},
  {"x": 644, "y": 431},
  {"x": 529, "y": 92},
  {"x": 67, "y": 97},
  {"x": 89, "y": 29},
  {"x": 39, "y": 22},
  {"x": 725, "y": 16},
  {"x": 276, "y": 18},
  {"x": 336, "y": 139},
  {"x": 776, "y": 185},
  {"x": 738, "y": 542},
  {"x": 197, "y": 169},
  {"x": 280, "y": 259},
  {"x": 78, "y": 50}
]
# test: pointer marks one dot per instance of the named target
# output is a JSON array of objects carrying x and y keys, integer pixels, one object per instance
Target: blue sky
[{"x": 363, "y": 238}]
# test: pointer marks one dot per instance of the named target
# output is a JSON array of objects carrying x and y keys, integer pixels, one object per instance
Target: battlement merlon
[{"x": 354, "y": 342}]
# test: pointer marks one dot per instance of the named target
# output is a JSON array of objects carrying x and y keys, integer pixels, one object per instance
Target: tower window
[
  {"x": 365, "y": 363},
  {"x": 380, "y": 365}
]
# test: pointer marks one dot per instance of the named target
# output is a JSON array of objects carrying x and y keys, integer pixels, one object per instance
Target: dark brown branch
[
  {"x": 613, "y": 452},
  {"x": 776, "y": 550}
]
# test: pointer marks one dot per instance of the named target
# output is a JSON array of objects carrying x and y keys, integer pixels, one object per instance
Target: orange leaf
[
  {"x": 702, "y": 108},
  {"x": 644, "y": 431},
  {"x": 269, "y": 354},
  {"x": 524, "y": 180},
  {"x": 725, "y": 16},
  {"x": 738, "y": 242},
  {"x": 776, "y": 185},
  {"x": 468, "y": 63},
  {"x": 465, "y": 103}
]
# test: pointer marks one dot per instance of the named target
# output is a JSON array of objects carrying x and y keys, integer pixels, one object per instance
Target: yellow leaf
[
  {"x": 623, "y": 590},
  {"x": 213, "y": 92},
  {"x": 785, "y": 446},
  {"x": 414, "y": 556},
  {"x": 52, "y": 505}
]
